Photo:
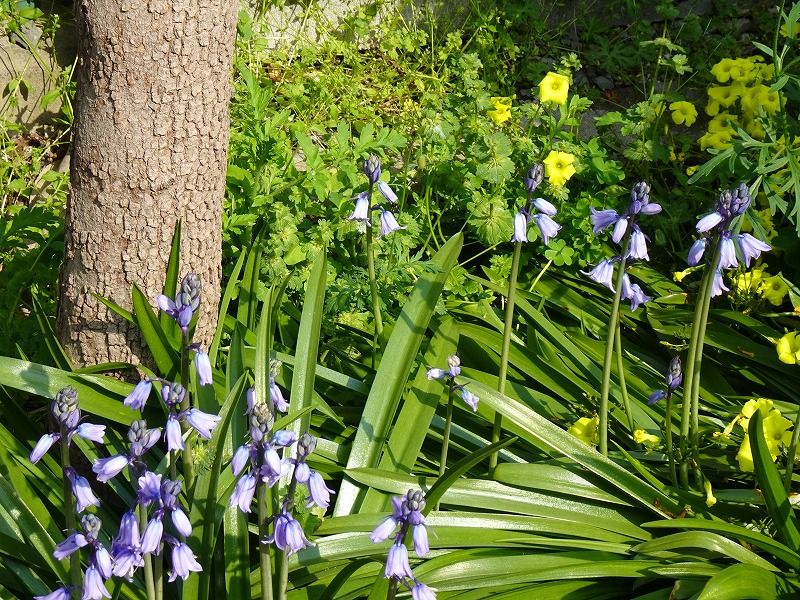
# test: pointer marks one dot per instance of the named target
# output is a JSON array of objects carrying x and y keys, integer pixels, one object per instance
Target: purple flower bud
[
  {"x": 388, "y": 223},
  {"x": 640, "y": 196},
  {"x": 397, "y": 563},
  {"x": 283, "y": 438},
  {"x": 619, "y": 229},
  {"x": 81, "y": 490},
  {"x": 545, "y": 207},
  {"x": 106, "y": 468},
  {"x": 173, "y": 434},
  {"x": 656, "y": 396},
  {"x": 272, "y": 467},
  {"x": 696, "y": 251},
  {"x": 239, "y": 461},
  {"x": 602, "y": 219},
  {"x": 172, "y": 394},
  {"x": 420, "y": 538},
  {"x": 709, "y": 222},
  {"x": 674, "y": 376},
  {"x": 547, "y": 227},
  {"x": 638, "y": 245},
  {"x": 276, "y": 396},
  {"x": 454, "y": 365},
  {"x": 243, "y": 493},
  {"x": 203, "y": 423},
  {"x": 361, "y": 211},
  {"x": 91, "y": 432},
  {"x": 203, "y": 366},
  {"x": 184, "y": 317},
  {"x": 302, "y": 472},
  {"x": 151, "y": 540},
  {"x": 718, "y": 286},
  {"x": 372, "y": 168},
  {"x": 319, "y": 492},
  {"x": 181, "y": 522},
  {"x": 520, "y": 227},
  {"x": 42, "y": 446},
  {"x": 103, "y": 561},
  {"x": 166, "y": 304},
  {"x": 93, "y": 586},
  {"x": 420, "y": 591},
  {"x": 651, "y": 208},
  {"x": 533, "y": 177},
  {"x": 727, "y": 252},
  {"x": 436, "y": 374},
  {"x": 138, "y": 397},
  {"x": 183, "y": 562},
  {"x": 68, "y": 546},
  {"x": 751, "y": 247},
  {"x": 387, "y": 192},
  {"x": 62, "y": 593},
  {"x": 603, "y": 273},
  {"x": 470, "y": 398},
  {"x": 383, "y": 530}
]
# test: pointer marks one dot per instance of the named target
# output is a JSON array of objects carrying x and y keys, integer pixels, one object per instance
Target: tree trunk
[{"x": 149, "y": 147}]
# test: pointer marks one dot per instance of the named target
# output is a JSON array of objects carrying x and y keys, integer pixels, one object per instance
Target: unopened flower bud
[
  {"x": 675, "y": 374},
  {"x": 533, "y": 178},
  {"x": 170, "y": 490},
  {"x": 91, "y": 525},
  {"x": 372, "y": 168},
  {"x": 65, "y": 408},
  {"x": 305, "y": 445},
  {"x": 261, "y": 421},
  {"x": 640, "y": 196},
  {"x": 172, "y": 394},
  {"x": 454, "y": 364},
  {"x": 190, "y": 291}
]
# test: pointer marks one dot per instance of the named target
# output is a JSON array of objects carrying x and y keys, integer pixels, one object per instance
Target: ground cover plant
[{"x": 490, "y": 328}]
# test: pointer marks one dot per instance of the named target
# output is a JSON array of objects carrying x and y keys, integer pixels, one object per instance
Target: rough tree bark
[{"x": 150, "y": 146}]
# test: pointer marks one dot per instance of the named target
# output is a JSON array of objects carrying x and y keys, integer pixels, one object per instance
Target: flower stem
[
  {"x": 264, "y": 557},
  {"x": 446, "y": 435},
  {"x": 158, "y": 574},
  {"x": 605, "y": 385},
  {"x": 149, "y": 583},
  {"x": 392, "y": 591},
  {"x": 668, "y": 434},
  {"x": 283, "y": 560},
  {"x": 787, "y": 482},
  {"x": 511, "y": 297},
  {"x": 69, "y": 509},
  {"x": 187, "y": 454},
  {"x": 621, "y": 370}
]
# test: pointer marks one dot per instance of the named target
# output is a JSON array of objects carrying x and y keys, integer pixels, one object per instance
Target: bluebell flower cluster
[
  {"x": 363, "y": 201},
  {"x": 535, "y": 209},
  {"x": 186, "y": 302},
  {"x": 716, "y": 228},
  {"x": 673, "y": 379},
  {"x": 454, "y": 370},
  {"x": 203, "y": 423},
  {"x": 406, "y": 514},
  {"x": 627, "y": 234},
  {"x": 100, "y": 565}
]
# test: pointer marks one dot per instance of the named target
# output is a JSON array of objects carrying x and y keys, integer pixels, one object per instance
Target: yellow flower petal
[
  {"x": 554, "y": 88},
  {"x": 683, "y": 113},
  {"x": 586, "y": 430},
  {"x": 787, "y": 348},
  {"x": 775, "y": 289},
  {"x": 558, "y": 167},
  {"x": 640, "y": 436}
]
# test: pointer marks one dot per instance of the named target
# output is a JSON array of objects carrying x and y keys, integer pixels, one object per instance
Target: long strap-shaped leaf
[
  {"x": 771, "y": 485},
  {"x": 401, "y": 350},
  {"x": 531, "y": 426},
  {"x": 308, "y": 344},
  {"x": 740, "y": 582}
]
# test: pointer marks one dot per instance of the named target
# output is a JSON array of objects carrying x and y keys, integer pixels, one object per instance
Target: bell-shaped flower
[
  {"x": 107, "y": 468},
  {"x": 656, "y": 396},
  {"x": 751, "y": 247},
  {"x": 387, "y": 192},
  {"x": 547, "y": 227},
  {"x": 61, "y": 593},
  {"x": 620, "y": 228},
  {"x": 183, "y": 562},
  {"x": 696, "y": 251},
  {"x": 94, "y": 588},
  {"x": 88, "y": 431},
  {"x": 634, "y": 293},
  {"x": 80, "y": 490},
  {"x": 718, "y": 286},
  {"x": 397, "y": 565},
  {"x": 419, "y": 536},
  {"x": 384, "y": 530},
  {"x": 470, "y": 398},
  {"x": 727, "y": 252},
  {"x": 388, "y": 223},
  {"x": 201, "y": 422},
  {"x": 181, "y": 522},
  {"x": 172, "y": 433},
  {"x": 638, "y": 245},
  {"x": 361, "y": 211},
  {"x": 151, "y": 538},
  {"x": 520, "y": 227},
  {"x": 603, "y": 218},
  {"x": 319, "y": 493},
  {"x": 289, "y": 535},
  {"x": 243, "y": 493},
  {"x": 543, "y": 206},
  {"x": 138, "y": 397},
  {"x": 71, "y": 544},
  {"x": 420, "y": 591},
  {"x": 203, "y": 366},
  {"x": 709, "y": 222},
  {"x": 240, "y": 459},
  {"x": 603, "y": 273},
  {"x": 42, "y": 446}
]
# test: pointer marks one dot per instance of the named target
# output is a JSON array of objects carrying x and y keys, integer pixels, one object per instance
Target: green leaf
[
  {"x": 171, "y": 277},
  {"x": 740, "y": 582},
  {"x": 401, "y": 351},
  {"x": 308, "y": 343},
  {"x": 164, "y": 355},
  {"x": 230, "y": 289},
  {"x": 705, "y": 540},
  {"x": 769, "y": 479}
]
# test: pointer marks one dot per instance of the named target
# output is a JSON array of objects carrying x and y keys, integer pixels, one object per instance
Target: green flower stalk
[
  {"x": 541, "y": 211},
  {"x": 673, "y": 380}
]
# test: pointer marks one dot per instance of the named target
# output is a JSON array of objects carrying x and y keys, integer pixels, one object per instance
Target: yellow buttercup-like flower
[
  {"x": 775, "y": 427},
  {"x": 554, "y": 88},
  {"x": 722, "y": 70},
  {"x": 724, "y": 95},
  {"x": 683, "y": 113},
  {"x": 586, "y": 430},
  {"x": 558, "y": 167},
  {"x": 501, "y": 111},
  {"x": 788, "y": 348},
  {"x": 716, "y": 139},
  {"x": 775, "y": 289},
  {"x": 722, "y": 122},
  {"x": 640, "y": 436},
  {"x": 749, "y": 282}
]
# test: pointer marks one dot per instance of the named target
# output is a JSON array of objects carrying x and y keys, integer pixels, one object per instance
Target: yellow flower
[
  {"x": 756, "y": 129},
  {"x": 722, "y": 70},
  {"x": 710, "y": 499},
  {"x": 558, "y": 167},
  {"x": 722, "y": 122},
  {"x": 640, "y": 436},
  {"x": 749, "y": 282},
  {"x": 769, "y": 99},
  {"x": 742, "y": 70},
  {"x": 775, "y": 428},
  {"x": 691, "y": 171},
  {"x": 788, "y": 348},
  {"x": 775, "y": 289},
  {"x": 724, "y": 95},
  {"x": 745, "y": 456},
  {"x": 554, "y": 88},
  {"x": 501, "y": 111},
  {"x": 716, "y": 139},
  {"x": 586, "y": 430},
  {"x": 683, "y": 112},
  {"x": 762, "y": 405}
]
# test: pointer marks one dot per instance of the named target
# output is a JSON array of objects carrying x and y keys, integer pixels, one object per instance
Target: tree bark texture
[{"x": 149, "y": 147}]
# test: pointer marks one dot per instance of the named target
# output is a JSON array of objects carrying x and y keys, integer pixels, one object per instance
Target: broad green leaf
[
  {"x": 706, "y": 541},
  {"x": 740, "y": 582},
  {"x": 400, "y": 353},
  {"x": 164, "y": 355}
]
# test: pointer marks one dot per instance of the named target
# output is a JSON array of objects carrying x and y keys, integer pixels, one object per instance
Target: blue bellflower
[
  {"x": 673, "y": 379},
  {"x": 64, "y": 409}
]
